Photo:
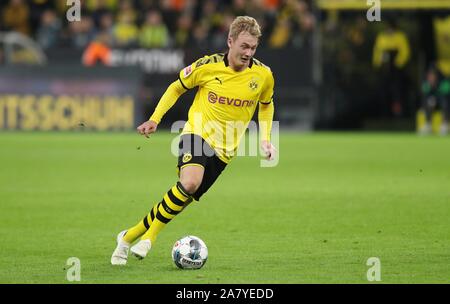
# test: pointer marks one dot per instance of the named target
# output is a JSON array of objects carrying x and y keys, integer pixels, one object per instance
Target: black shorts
[{"x": 195, "y": 151}]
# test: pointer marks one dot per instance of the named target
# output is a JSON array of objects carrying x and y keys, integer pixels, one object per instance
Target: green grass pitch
[{"x": 334, "y": 201}]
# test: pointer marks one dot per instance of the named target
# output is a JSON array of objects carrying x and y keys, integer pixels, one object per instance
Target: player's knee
[{"x": 191, "y": 185}]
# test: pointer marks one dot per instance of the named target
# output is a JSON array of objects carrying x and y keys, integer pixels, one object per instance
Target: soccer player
[
  {"x": 435, "y": 95},
  {"x": 230, "y": 87}
]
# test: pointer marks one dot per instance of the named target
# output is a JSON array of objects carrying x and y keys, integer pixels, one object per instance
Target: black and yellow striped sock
[
  {"x": 174, "y": 201},
  {"x": 140, "y": 228}
]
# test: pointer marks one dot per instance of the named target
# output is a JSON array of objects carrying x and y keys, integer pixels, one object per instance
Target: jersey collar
[{"x": 225, "y": 60}]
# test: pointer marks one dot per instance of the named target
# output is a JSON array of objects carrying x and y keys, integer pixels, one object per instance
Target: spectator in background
[
  {"x": 305, "y": 23},
  {"x": 200, "y": 37},
  {"x": 293, "y": 25},
  {"x": 270, "y": 15},
  {"x": 219, "y": 37},
  {"x": 239, "y": 7},
  {"x": 391, "y": 54},
  {"x": 209, "y": 23},
  {"x": 37, "y": 9},
  {"x": 48, "y": 32},
  {"x": 171, "y": 10},
  {"x": 192, "y": 22},
  {"x": 98, "y": 51},
  {"x": 16, "y": 17},
  {"x": 146, "y": 5},
  {"x": 182, "y": 35},
  {"x": 143, "y": 6},
  {"x": 178, "y": 5},
  {"x": 211, "y": 15},
  {"x": 154, "y": 33},
  {"x": 81, "y": 33},
  {"x": 60, "y": 7},
  {"x": 125, "y": 31},
  {"x": 435, "y": 96},
  {"x": 99, "y": 8},
  {"x": 281, "y": 33},
  {"x": 106, "y": 26},
  {"x": 258, "y": 11}
]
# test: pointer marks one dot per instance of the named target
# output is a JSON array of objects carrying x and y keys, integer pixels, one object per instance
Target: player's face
[{"x": 242, "y": 50}]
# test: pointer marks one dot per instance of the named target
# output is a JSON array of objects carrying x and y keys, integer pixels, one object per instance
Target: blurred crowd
[{"x": 156, "y": 23}]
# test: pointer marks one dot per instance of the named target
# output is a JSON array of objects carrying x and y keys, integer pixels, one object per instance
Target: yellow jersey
[{"x": 225, "y": 101}]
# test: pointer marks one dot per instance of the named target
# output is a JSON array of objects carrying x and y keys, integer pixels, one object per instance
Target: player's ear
[{"x": 229, "y": 41}]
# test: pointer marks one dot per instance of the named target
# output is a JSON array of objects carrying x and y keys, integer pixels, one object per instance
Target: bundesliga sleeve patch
[{"x": 187, "y": 71}]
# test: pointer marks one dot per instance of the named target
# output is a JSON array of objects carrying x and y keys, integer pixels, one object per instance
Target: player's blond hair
[{"x": 244, "y": 24}]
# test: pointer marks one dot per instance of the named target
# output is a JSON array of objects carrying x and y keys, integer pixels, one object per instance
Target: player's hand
[
  {"x": 147, "y": 128},
  {"x": 268, "y": 150}
]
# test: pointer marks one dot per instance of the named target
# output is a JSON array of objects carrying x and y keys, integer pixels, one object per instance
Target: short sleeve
[
  {"x": 193, "y": 75},
  {"x": 266, "y": 96}
]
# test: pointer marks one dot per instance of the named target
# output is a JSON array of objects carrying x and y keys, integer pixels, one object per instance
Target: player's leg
[
  {"x": 190, "y": 179},
  {"x": 187, "y": 144},
  {"x": 197, "y": 174},
  {"x": 120, "y": 253},
  {"x": 214, "y": 167},
  {"x": 126, "y": 237},
  {"x": 140, "y": 228},
  {"x": 174, "y": 201},
  {"x": 191, "y": 164},
  {"x": 143, "y": 226}
]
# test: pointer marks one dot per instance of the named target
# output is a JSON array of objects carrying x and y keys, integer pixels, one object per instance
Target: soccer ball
[{"x": 189, "y": 252}]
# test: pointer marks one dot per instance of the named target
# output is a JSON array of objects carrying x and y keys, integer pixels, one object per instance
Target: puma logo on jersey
[{"x": 219, "y": 80}]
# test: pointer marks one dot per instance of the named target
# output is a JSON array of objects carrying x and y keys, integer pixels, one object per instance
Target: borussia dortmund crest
[
  {"x": 253, "y": 85},
  {"x": 187, "y": 157}
]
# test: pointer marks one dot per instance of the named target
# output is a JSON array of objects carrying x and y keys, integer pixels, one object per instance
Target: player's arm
[
  {"x": 188, "y": 78},
  {"x": 169, "y": 98},
  {"x": 265, "y": 118}
]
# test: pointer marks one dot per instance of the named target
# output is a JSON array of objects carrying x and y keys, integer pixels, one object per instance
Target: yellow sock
[
  {"x": 174, "y": 201},
  {"x": 140, "y": 228}
]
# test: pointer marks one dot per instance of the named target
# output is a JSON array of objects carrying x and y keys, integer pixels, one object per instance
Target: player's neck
[{"x": 234, "y": 66}]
